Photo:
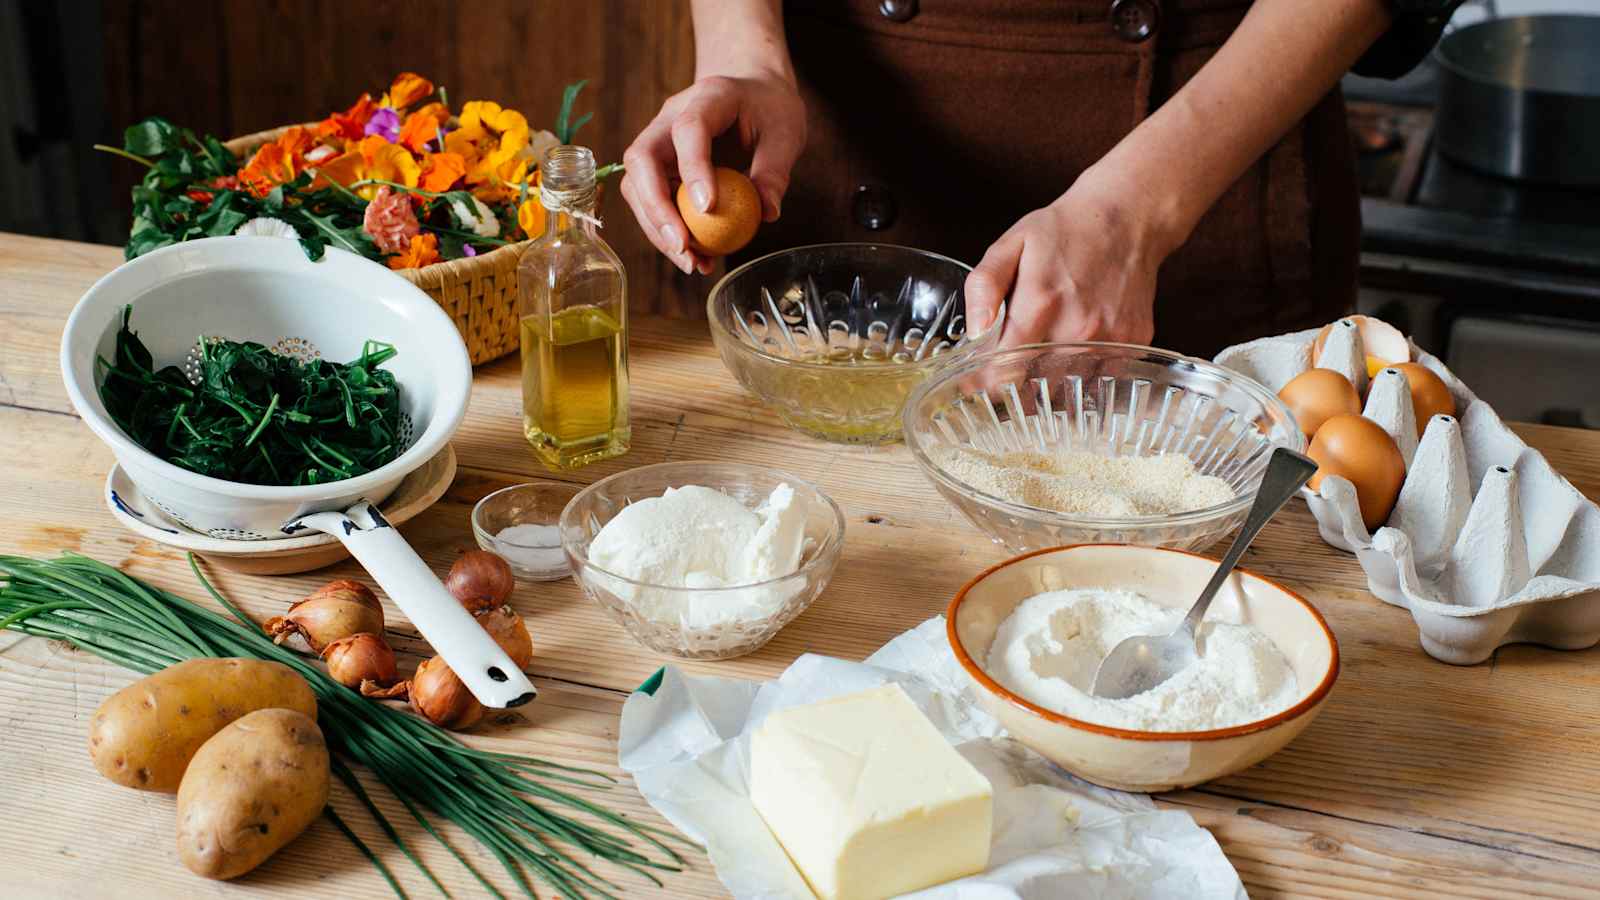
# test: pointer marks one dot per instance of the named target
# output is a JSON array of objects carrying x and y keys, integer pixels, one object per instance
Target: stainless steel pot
[{"x": 1519, "y": 97}]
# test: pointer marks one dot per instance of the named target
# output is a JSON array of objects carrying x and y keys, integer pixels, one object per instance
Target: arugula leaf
[{"x": 152, "y": 137}]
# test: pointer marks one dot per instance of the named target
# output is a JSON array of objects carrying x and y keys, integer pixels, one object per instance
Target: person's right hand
[{"x": 676, "y": 145}]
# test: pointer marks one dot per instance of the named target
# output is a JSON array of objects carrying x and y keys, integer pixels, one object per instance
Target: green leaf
[
  {"x": 152, "y": 137},
  {"x": 564, "y": 131}
]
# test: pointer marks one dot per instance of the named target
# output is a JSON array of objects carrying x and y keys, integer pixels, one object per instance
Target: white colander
[{"x": 264, "y": 289}]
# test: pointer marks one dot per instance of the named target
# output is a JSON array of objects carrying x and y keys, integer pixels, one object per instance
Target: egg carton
[{"x": 1487, "y": 545}]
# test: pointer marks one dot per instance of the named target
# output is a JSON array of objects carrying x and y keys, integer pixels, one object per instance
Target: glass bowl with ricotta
[
  {"x": 702, "y": 560},
  {"x": 1031, "y": 632},
  {"x": 833, "y": 337},
  {"x": 1072, "y": 443}
]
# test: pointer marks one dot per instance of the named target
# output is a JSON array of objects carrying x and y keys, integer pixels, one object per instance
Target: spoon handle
[{"x": 1286, "y": 472}]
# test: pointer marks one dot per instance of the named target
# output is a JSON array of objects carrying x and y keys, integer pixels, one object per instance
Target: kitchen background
[{"x": 1500, "y": 278}]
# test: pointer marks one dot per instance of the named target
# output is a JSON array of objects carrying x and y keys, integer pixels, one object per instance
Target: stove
[{"x": 1498, "y": 278}]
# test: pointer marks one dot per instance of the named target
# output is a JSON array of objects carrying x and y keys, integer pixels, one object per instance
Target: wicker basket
[{"x": 479, "y": 292}]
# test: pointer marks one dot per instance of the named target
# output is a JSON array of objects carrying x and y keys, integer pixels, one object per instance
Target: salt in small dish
[{"x": 520, "y": 524}]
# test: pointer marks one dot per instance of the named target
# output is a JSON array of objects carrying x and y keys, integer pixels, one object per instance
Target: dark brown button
[
  {"x": 897, "y": 10},
  {"x": 1135, "y": 20},
  {"x": 873, "y": 207}
]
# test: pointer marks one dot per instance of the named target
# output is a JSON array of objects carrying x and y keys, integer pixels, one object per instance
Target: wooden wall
[{"x": 232, "y": 67}]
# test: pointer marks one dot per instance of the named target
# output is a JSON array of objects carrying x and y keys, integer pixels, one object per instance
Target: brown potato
[
  {"x": 249, "y": 791},
  {"x": 144, "y": 735}
]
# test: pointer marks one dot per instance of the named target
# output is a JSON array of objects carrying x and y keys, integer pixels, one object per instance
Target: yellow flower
[
  {"x": 386, "y": 162},
  {"x": 484, "y": 122},
  {"x": 530, "y": 215}
]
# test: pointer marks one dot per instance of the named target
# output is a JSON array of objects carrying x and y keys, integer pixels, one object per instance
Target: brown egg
[
  {"x": 1430, "y": 396},
  {"x": 1316, "y": 394},
  {"x": 1380, "y": 340},
  {"x": 732, "y": 220},
  {"x": 1360, "y": 451}
]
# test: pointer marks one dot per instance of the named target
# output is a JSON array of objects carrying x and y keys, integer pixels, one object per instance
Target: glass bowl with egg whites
[
  {"x": 833, "y": 337},
  {"x": 1019, "y": 439},
  {"x": 1148, "y": 759},
  {"x": 708, "y": 620}
]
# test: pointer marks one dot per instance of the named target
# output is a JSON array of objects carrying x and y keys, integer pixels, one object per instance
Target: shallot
[
  {"x": 362, "y": 661},
  {"x": 442, "y": 698},
  {"x": 480, "y": 580},
  {"x": 336, "y": 610},
  {"x": 510, "y": 632}
]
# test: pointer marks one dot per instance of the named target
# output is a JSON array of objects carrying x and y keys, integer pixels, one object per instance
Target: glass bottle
[{"x": 573, "y": 306}]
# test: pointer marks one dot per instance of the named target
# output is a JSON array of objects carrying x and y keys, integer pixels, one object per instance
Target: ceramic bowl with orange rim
[{"x": 1146, "y": 761}]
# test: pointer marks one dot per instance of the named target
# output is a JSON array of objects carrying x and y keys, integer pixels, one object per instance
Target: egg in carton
[{"x": 1487, "y": 544}]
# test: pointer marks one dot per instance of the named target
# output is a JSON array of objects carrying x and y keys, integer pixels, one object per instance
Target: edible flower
[
  {"x": 349, "y": 124},
  {"x": 391, "y": 222},
  {"x": 423, "y": 126},
  {"x": 480, "y": 220},
  {"x": 468, "y": 250},
  {"x": 408, "y": 88},
  {"x": 267, "y": 226},
  {"x": 530, "y": 215},
  {"x": 441, "y": 170},
  {"x": 383, "y": 161},
  {"x": 384, "y": 123},
  {"x": 423, "y": 251}
]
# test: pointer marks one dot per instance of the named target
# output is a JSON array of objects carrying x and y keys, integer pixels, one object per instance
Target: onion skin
[
  {"x": 442, "y": 698},
  {"x": 480, "y": 580},
  {"x": 359, "y": 660},
  {"x": 336, "y": 610},
  {"x": 510, "y": 632}
]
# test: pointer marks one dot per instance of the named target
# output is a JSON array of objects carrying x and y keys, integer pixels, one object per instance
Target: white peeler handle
[{"x": 471, "y": 653}]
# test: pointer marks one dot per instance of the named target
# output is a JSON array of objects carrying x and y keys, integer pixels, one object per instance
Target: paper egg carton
[{"x": 1487, "y": 544}]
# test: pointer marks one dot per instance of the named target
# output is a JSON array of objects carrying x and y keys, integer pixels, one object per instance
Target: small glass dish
[
  {"x": 685, "y": 622},
  {"x": 521, "y": 524},
  {"x": 833, "y": 337}
]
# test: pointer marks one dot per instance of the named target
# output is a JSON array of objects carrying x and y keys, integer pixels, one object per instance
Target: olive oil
[
  {"x": 574, "y": 404},
  {"x": 572, "y": 305}
]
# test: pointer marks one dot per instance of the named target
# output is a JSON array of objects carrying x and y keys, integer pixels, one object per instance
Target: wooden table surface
[{"x": 1418, "y": 778}]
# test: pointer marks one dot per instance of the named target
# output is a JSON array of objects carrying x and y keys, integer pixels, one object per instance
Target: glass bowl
[
  {"x": 533, "y": 549},
  {"x": 1111, "y": 399},
  {"x": 833, "y": 337},
  {"x": 685, "y": 622}
]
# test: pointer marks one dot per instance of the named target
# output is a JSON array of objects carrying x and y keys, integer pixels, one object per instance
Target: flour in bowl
[
  {"x": 1047, "y": 651},
  {"x": 1087, "y": 484}
]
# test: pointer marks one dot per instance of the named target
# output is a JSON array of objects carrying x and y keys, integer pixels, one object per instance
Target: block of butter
[{"x": 867, "y": 797}]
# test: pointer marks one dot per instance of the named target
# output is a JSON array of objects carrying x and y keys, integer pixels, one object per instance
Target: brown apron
[{"x": 939, "y": 123}]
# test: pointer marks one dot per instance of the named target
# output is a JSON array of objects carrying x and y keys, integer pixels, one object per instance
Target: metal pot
[{"x": 1519, "y": 97}]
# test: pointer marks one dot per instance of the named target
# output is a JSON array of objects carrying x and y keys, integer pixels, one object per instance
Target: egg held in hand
[
  {"x": 1316, "y": 395},
  {"x": 731, "y": 221},
  {"x": 1361, "y": 452}
]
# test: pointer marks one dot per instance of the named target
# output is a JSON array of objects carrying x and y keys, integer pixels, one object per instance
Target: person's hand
[
  {"x": 677, "y": 145},
  {"x": 1082, "y": 268}
]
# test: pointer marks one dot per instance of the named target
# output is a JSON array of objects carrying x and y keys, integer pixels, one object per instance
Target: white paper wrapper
[
  {"x": 687, "y": 747},
  {"x": 1525, "y": 570}
]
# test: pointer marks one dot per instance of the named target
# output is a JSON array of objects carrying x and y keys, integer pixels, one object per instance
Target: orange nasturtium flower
[
  {"x": 350, "y": 123},
  {"x": 386, "y": 162},
  {"x": 277, "y": 162},
  {"x": 423, "y": 251},
  {"x": 499, "y": 133},
  {"x": 423, "y": 126},
  {"x": 408, "y": 88},
  {"x": 441, "y": 170}
]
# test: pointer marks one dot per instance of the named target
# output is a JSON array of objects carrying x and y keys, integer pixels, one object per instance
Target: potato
[
  {"x": 250, "y": 790},
  {"x": 144, "y": 735}
]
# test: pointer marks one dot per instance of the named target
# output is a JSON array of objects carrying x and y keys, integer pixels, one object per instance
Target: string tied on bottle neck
[{"x": 576, "y": 203}]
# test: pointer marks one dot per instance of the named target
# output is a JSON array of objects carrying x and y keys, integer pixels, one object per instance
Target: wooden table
[{"x": 1418, "y": 778}]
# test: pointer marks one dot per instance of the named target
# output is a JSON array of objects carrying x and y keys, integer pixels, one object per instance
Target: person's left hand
[{"x": 1082, "y": 268}]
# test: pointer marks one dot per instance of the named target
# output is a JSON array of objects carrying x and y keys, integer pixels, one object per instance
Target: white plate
[{"x": 284, "y": 556}]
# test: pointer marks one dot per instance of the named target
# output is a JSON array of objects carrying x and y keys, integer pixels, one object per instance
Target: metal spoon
[{"x": 1141, "y": 662}]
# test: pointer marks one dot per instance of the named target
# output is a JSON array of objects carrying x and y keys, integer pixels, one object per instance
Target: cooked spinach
[{"x": 256, "y": 416}]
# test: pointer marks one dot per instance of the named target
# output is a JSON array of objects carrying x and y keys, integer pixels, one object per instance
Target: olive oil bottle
[{"x": 573, "y": 305}]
